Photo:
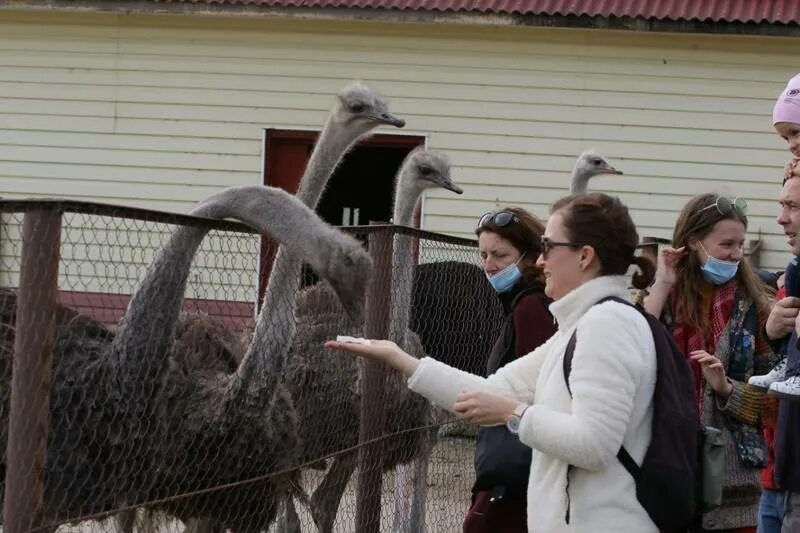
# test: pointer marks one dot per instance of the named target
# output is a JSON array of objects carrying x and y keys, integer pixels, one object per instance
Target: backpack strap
[
  {"x": 623, "y": 455},
  {"x": 536, "y": 287}
]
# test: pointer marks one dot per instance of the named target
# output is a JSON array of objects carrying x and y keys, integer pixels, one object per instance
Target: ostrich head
[
  {"x": 361, "y": 108},
  {"x": 347, "y": 268},
  {"x": 589, "y": 164},
  {"x": 422, "y": 169}
]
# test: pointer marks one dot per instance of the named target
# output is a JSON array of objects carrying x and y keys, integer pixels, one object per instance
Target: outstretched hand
[
  {"x": 379, "y": 350},
  {"x": 376, "y": 349},
  {"x": 484, "y": 408}
]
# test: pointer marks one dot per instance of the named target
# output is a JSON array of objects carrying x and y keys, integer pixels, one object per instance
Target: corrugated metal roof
[{"x": 748, "y": 11}]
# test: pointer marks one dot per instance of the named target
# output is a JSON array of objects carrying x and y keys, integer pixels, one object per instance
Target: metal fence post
[
  {"x": 373, "y": 413},
  {"x": 753, "y": 252},
  {"x": 30, "y": 385}
]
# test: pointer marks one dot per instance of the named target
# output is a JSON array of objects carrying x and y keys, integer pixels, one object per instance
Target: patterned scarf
[{"x": 690, "y": 338}]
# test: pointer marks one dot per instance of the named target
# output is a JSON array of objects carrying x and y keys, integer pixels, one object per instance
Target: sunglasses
[
  {"x": 547, "y": 245},
  {"x": 726, "y": 206},
  {"x": 499, "y": 219}
]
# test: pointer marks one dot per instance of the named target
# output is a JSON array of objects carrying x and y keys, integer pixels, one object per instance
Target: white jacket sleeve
[
  {"x": 607, "y": 367},
  {"x": 441, "y": 383}
]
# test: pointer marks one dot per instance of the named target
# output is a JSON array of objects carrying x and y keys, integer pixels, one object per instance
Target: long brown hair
[
  {"x": 603, "y": 222},
  {"x": 524, "y": 234},
  {"x": 695, "y": 223}
]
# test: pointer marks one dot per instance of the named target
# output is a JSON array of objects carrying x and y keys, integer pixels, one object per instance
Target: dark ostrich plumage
[
  {"x": 325, "y": 385},
  {"x": 127, "y": 425}
]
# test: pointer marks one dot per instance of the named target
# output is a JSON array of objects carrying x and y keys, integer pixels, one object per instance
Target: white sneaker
[
  {"x": 778, "y": 373},
  {"x": 788, "y": 390}
]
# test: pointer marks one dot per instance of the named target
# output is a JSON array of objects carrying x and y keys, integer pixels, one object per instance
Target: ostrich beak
[
  {"x": 388, "y": 118},
  {"x": 351, "y": 298},
  {"x": 349, "y": 281},
  {"x": 450, "y": 186},
  {"x": 608, "y": 169}
]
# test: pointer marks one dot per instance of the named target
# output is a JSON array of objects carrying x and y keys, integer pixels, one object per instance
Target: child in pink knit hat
[{"x": 786, "y": 121}]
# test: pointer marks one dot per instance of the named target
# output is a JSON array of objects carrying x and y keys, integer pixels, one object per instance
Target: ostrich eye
[
  {"x": 597, "y": 162},
  {"x": 425, "y": 171},
  {"x": 357, "y": 107}
]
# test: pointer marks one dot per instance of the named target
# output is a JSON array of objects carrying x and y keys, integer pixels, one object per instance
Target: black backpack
[{"x": 665, "y": 483}]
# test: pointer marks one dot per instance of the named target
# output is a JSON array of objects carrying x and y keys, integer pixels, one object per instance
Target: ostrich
[
  {"x": 588, "y": 165},
  {"x": 414, "y": 177},
  {"x": 109, "y": 429},
  {"x": 231, "y": 427},
  {"x": 325, "y": 388},
  {"x": 356, "y": 111},
  {"x": 458, "y": 326}
]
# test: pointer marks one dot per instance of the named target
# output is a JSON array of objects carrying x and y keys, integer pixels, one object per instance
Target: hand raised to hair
[
  {"x": 713, "y": 371},
  {"x": 484, "y": 408},
  {"x": 667, "y": 262}
]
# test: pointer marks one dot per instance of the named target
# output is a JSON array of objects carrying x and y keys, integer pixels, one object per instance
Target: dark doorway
[{"x": 359, "y": 191}]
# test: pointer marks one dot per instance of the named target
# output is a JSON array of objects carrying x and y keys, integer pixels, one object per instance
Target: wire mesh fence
[{"x": 150, "y": 392}]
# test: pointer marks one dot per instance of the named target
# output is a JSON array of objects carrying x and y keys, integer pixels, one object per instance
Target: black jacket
[{"x": 502, "y": 462}]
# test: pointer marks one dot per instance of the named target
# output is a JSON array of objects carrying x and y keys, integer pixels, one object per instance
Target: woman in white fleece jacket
[{"x": 588, "y": 246}]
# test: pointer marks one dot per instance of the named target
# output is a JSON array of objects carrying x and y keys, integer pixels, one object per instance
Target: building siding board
[{"x": 148, "y": 111}]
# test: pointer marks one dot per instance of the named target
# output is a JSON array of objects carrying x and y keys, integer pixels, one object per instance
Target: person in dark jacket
[
  {"x": 510, "y": 242},
  {"x": 782, "y": 324}
]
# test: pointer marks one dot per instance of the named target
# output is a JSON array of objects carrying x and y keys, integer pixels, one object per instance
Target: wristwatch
[{"x": 513, "y": 421}]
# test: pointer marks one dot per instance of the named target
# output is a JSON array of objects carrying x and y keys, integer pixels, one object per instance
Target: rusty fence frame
[{"x": 36, "y": 305}]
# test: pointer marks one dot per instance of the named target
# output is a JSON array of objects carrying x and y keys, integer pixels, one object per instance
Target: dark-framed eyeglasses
[
  {"x": 726, "y": 206},
  {"x": 500, "y": 219},
  {"x": 548, "y": 244}
]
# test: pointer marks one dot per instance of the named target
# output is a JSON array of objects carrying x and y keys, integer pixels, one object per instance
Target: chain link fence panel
[{"x": 169, "y": 401}]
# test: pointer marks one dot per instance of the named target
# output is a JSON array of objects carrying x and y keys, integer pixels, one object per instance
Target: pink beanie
[{"x": 787, "y": 108}]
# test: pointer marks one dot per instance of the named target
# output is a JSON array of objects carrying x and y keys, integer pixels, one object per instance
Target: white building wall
[{"x": 161, "y": 111}]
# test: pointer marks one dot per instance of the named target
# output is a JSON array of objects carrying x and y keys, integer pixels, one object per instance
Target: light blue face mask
[
  {"x": 717, "y": 271},
  {"x": 505, "y": 280}
]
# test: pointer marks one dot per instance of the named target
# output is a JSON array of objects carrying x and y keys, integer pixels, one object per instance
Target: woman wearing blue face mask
[
  {"x": 509, "y": 241},
  {"x": 716, "y": 308}
]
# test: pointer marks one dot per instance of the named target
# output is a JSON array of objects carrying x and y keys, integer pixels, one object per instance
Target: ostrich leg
[
  {"x": 290, "y": 521},
  {"x": 126, "y": 521},
  {"x": 203, "y": 526},
  {"x": 328, "y": 496},
  {"x": 420, "y": 496}
]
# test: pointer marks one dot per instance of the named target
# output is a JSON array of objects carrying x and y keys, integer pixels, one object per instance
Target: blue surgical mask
[
  {"x": 505, "y": 280},
  {"x": 717, "y": 271}
]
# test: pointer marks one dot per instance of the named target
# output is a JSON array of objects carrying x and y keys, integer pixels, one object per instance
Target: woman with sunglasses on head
[
  {"x": 509, "y": 242},
  {"x": 716, "y": 308},
  {"x": 576, "y": 482}
]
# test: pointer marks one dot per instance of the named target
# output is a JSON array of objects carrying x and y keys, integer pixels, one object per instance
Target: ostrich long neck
[
  {"x": 147, "y": 332},
  {"x": 579, "y": 180},
  {"x": 275, "y": 326},
  {"x": 334, "y": 141},
  {"x": 406, "y": 197},
  {"x": 405, "y": 202},
  {"x": 148, "y": 328}
]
